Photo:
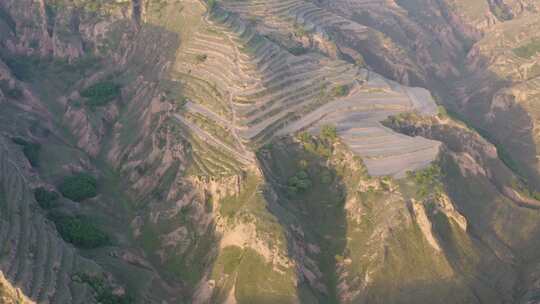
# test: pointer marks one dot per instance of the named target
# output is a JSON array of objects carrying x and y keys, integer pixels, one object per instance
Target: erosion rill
[{"x": 281, "y": 151}]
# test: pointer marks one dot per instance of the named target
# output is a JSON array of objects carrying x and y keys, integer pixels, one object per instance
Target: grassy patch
[
  {"x": 149, "y": 238},
  {"x": 228, "y": 261},
  {"x": 257, "y": 282},
  {"x": 528, "y": 50},
  {"x": 460, "y": 247},
  {"x": 320, "y": 209},
  {"x": 101, "y": 93},
  {"x": 523, "y": 188},
  {"x": 80, "y": 231},
  {"x": 79, "y": 187},
  {"x": 232, "y": 204},
  {"x": 191, "y": 267},
  {"x": 54, "y": 157}
]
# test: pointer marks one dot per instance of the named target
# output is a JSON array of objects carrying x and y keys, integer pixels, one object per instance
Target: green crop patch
[
  {"x": 80, "y": 231},
  {"x": 101, "y": 93},
  {"x": 21, "y": 67},
  {"x": 45, "y": 198},
  {"x": 79, "y": 187},
  {"x": 299, "y": 183},
  {"x": 3, "y": 206},
  {"x": 200, "y": 58},
  {"x": 10, "y": 92},
  {"x": 30, "y": 150},
  {"x": 6, "y": 17},
  {"x": 104, "y": 291}
]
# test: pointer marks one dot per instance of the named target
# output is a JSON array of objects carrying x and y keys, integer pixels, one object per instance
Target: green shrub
[
  {"x": 209, "y": 204},
  {"x": 304, "y": 137},
  {"x": 79, "y": 187},
  {"x": 340, "y": 90},
  {"x": 299, "y": 183},
  {"x": 299, "y": 30},
  {"x": 201, "y": 58},
  {"x": 21, "y": 66},
  {"x": 329, "y": 132},
  {"x": 19, "y": 141},
  {"x": 298, "y": 50},
  {"x": 315, "y": 145},
  {"x": 8, "y": 20},
  {"x": 46, "y": 199},
  {"x": 79, "y": 231},
  {"x": 3, "y": 207},
  {"x": 30, "y": 150},
  {"x": 104, "y": 292},
  {"x": 427, "y": 180},
  {"x": 10, "y": 92},
  {"x": 442, "y": 112},
  {"x": 101, "y": 93}
]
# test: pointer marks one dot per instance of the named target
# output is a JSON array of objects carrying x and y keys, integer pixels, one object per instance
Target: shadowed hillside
[{"x": 189, "y": 151}]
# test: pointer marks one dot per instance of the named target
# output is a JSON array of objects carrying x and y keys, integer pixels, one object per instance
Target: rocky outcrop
[{"x": 11, "y": 295}]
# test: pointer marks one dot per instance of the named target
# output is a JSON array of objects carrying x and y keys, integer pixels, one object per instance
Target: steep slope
[
  {"x": 34, "y": 258},
  {"x": 488, "y": 193},
  {"x": 10, "y": 295},
  {"x": 239, "y": 156},
  {"x": 477, "y": 57}
]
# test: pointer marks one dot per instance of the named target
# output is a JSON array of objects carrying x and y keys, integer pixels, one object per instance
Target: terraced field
[
  {"x": 32, "y": 255},
  {"x": 278, "y": 15},
  {"x": 201, "y": 192},
  {"x": 255, "y": 89}
]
